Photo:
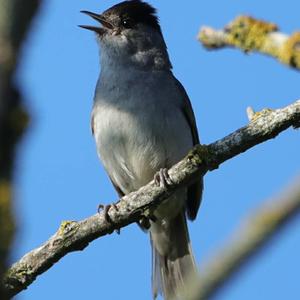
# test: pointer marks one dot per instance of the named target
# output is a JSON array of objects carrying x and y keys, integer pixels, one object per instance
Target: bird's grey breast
[{"x": 138, "y": 125}]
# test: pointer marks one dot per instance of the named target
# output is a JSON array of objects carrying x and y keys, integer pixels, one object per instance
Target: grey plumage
[{"x": 143, "y": 121}]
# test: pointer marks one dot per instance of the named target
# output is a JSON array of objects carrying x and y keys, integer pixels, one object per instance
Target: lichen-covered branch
[
  {"x": 250, "y": 34},
  {"x": 252, "y": 235},
  {"x": 73, "y": 235},
  {"x": 15, "y": 19}
]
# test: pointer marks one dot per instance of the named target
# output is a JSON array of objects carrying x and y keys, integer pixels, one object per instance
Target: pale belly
[{"x": 134, "y": 145}]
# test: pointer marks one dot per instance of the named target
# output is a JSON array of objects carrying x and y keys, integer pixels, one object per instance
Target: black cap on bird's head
[
  {"x": 131, "y": 34},
  {"x": 125, "y": 15}
]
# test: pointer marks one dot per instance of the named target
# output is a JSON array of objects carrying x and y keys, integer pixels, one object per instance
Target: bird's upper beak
[{"x": 101, "y": 19}]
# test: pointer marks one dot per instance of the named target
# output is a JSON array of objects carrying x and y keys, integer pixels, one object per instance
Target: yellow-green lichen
[
  {"x": 17, "y": 274},
  {"x": 24, "y": 270},
  {"x": 264, "y": 112},
  {"x": 290, "y": 51},
  {"x": 248, "y": 33},
  {"x": 201, "y": 154},
  {"x": 67, "y": 226}
]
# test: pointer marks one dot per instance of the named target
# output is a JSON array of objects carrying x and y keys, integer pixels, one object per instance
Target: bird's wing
[{"x": 195, "y": 190}]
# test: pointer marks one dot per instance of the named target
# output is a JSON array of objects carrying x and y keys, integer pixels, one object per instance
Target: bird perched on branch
[{"x": 143, "y": 123}]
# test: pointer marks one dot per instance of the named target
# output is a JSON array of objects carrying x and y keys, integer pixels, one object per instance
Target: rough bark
[{"x": 76, "y": 235}]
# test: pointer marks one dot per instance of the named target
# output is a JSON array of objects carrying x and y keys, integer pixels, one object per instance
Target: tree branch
[
  {"x": 72, "y": 235},
  {"x": 250, "y": 34},
  {"x": 250, "y": 238}
]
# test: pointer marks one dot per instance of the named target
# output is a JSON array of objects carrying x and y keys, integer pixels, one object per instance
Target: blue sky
[{"x": 59, "y": 177}]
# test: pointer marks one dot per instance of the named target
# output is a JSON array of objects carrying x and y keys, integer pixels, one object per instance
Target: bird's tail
[{"x": 172, "y": 258}]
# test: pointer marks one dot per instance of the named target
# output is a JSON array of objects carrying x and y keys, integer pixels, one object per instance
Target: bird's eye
[{"x": 127, "y": 23}]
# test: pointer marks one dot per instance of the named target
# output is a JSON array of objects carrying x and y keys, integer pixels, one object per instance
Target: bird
[{"x": 143, "y": 123}]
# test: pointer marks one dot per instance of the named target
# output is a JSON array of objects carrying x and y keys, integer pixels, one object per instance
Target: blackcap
[{"x": 143, "y": 123}]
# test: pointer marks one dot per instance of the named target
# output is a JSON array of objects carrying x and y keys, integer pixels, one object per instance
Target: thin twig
[{"x": 250, "y": 34}]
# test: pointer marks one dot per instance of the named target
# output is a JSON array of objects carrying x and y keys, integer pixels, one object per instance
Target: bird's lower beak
[{"x": 101, "y": 19}]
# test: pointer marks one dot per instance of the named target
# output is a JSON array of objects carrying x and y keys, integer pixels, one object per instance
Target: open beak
[{"x": 101, "y": 19}]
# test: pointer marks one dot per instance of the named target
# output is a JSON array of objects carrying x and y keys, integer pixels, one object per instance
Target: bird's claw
[
  {"x": 162, "y": 178},
  {"x": 145, "y": 220},
  {"x": 144, "y": 223},
  {"x": 105, "y": 209}
]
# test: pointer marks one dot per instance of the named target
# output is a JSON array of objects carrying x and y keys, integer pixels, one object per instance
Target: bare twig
[
  {"x": 251, "y": 236},
  {"x": 73, "y": 235},
  {"x": 250, "y": 34}
]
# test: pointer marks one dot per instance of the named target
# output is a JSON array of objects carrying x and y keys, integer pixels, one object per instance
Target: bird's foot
[
  {"x": 145, "y": 221},
  {"x": 105, "y": 209},
  {"x": 162, "y": 178}
]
